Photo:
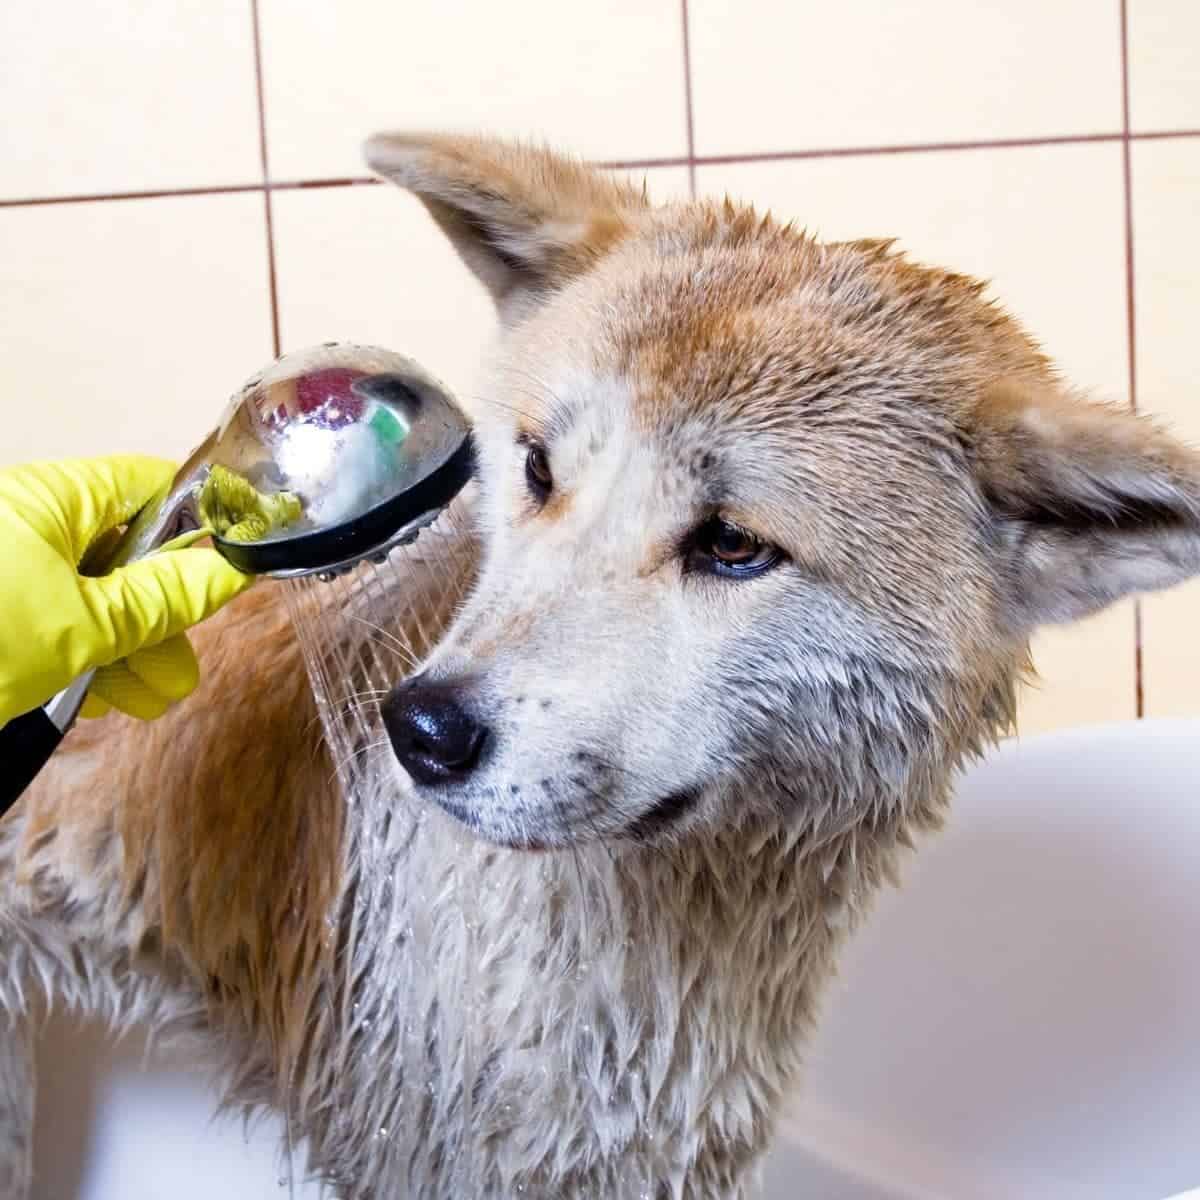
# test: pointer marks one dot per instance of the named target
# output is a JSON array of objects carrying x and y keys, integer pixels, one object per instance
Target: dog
[{"x": 761, "y": 529}]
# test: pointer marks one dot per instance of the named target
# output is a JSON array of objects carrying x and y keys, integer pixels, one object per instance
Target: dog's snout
[{"x": 434, "y": 735}]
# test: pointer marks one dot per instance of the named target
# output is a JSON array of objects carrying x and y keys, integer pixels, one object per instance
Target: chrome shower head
[{"x": 370, "y": 443}]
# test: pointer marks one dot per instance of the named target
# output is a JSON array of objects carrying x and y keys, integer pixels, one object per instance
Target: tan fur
[
  {"x": 227, "y": 841},
  {"x": 723, "y": 772}
]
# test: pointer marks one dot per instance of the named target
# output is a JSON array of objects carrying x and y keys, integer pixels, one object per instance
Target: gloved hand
[{"x": 55, "y": 623}]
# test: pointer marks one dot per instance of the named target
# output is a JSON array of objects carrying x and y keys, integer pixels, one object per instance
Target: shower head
[{"x": 353, "y": 449}]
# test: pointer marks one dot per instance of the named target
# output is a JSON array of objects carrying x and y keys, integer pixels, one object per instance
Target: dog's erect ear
[
  {"x": 523, "y": 219},
  {"x": 1092, "y": 503}
]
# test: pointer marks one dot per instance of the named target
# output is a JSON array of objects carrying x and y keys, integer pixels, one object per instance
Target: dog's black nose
[{"x": 434, "y": 736}]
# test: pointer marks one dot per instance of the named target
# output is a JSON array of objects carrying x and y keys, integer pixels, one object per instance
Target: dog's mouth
[
  {"x": 465, "y": 815},
  {"x": 664, "y": 814},
  {"x": 649, "y": 826}
]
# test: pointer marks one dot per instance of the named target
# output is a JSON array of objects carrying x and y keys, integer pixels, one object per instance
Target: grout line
[
  {"x": 630, "y": 164},
  {"x": 272, "y": 285},
  {"x": 1139, "y": 685},
  {"x": 1131, "y": 323},
  {"x": 1127, "y": 170},
  {"x": 93, "y": 197},
  {"x": 1067, "y": 139},
  {"x": 287, "y": 185},
  {"x": 1157, "y": 135},
  {"x": 272, "y": 281},
  {"x": 1127, "y": 173},
  {"x": 687, "y": 100}
]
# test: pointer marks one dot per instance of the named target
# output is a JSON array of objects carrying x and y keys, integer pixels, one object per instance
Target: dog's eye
[
  {"x": 723, "y": 548},
  {"x": 537, "y": 472}
]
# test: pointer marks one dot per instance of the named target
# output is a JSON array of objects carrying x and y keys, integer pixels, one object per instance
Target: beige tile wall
[{"x": 159, "y": 164}]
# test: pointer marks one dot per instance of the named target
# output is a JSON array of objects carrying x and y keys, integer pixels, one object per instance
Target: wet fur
[{"x": 725, "y": 772}]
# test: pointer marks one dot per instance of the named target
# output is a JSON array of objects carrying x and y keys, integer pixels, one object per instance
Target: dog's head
[{"x": 755, "y": 508}]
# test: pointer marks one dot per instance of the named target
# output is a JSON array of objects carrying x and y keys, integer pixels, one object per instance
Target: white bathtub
[
  {"x": 1018, "y": 1023},
  {"x": 1022, "y": 1020}
]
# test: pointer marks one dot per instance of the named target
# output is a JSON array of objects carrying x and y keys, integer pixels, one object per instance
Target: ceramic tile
[
  {"x": 607, "y": 83},
  {"x": 1045, "y": 225},
  {"x": 1164, "y": 64},
  {"x": 774, "y": 76},
  {"x": 1171, "y": 652},
  {"x": 115, "y": 98},
  {"x": 1166, "y": 198},
  {"x": 1086, "y": 674},
  {"x": 126, "y": 325}
]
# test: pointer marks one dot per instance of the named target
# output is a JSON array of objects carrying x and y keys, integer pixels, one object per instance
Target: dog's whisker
[
  {"x": 642, "y": 844},
  {"x": 364, "y": 694},
  {"x": 512, "y": 370},
  {"x": 390, "y": 641},
  {"x": 377, "y": 744},
  {"x": 590, "y": 818},
  {"x": 583, "y": 900},
  {"x": 603, "y": 841},
  {"x": 352, "y": 707},
  {"x": 512, "y": 408}
]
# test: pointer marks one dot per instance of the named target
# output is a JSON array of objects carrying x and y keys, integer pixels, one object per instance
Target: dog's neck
[{"x": 575, "y": 1023}]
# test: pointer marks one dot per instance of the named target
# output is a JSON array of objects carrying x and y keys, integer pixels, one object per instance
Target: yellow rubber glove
[{"x": 55, "y": 623}]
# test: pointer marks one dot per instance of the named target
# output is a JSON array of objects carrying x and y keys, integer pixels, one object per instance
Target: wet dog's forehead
[
  {"x": 733, "y": 370},
  {"x": 743, "y": 319},
  {"x": 707, "y": 351}
]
